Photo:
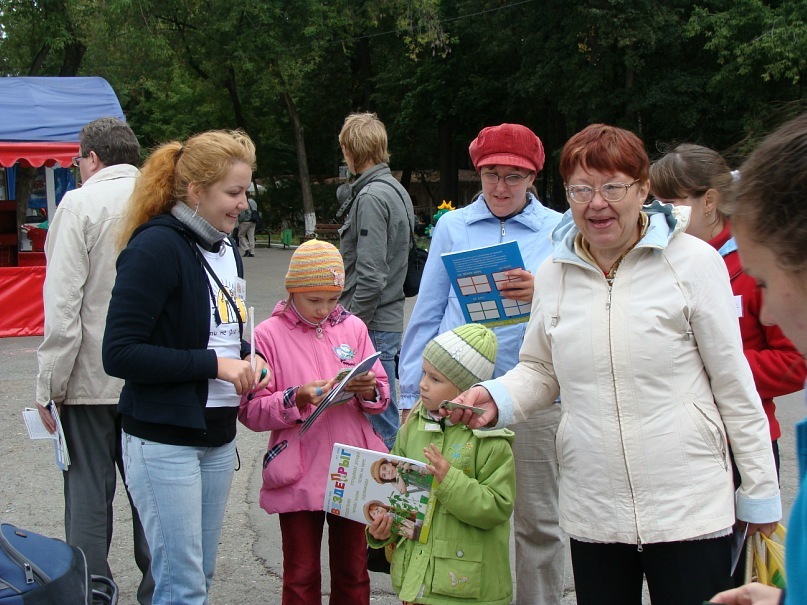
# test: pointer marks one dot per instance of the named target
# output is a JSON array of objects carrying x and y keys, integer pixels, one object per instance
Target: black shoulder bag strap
[
  {"x": 222, "y": 289},
  {"x": 412, "y": 241}
]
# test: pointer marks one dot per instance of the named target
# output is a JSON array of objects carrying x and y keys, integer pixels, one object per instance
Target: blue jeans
[
  {"x": 386, "y": 423},
  {"x": 180, "y": 493}
]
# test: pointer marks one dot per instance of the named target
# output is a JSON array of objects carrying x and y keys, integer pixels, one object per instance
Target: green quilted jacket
[{"x": 467, "y": 556}]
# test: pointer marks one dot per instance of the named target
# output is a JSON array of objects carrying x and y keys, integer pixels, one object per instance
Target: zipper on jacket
[
  {"x": 639, "y": 545},
  {"x": 501, "y": 222},
  {"x": 717, "y": 428}
]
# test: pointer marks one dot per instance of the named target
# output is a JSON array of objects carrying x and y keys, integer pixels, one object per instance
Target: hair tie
[{"x": 179, "y": 154}]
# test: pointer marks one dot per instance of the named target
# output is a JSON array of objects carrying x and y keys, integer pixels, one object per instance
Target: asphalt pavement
[{"x": 249, "y": 567}]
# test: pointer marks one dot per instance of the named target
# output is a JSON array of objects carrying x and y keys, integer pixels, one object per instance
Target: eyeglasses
[
  {"x": 610, "y": 192},
  {"x": 511, "y": 180},
  {"x": 78, "y": 159}
]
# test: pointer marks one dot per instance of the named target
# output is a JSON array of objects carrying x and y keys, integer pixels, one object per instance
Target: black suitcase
[{"x": 37, "y": 570}]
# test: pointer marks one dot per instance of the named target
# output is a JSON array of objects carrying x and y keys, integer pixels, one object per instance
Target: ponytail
[{"x": 154, "y": 191}]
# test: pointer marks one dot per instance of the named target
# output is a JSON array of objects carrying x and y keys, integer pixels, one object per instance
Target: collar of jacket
[
  {"x": 110, "y": 173},
  {"x": 369, "y": 175},
  {"x": 666, "y": 221},
  {"x": 207, "y": 235},
  {"x": 532, "y": 216},
  {"x": 423, "y": 416},
  {"x": 283, "y": 309}
]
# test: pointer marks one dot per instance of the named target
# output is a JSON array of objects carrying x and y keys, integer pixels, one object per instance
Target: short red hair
[{"x": 605, "y": 149}]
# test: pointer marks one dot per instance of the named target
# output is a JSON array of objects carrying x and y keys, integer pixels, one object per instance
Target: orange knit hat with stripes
[{"x": 315, "y": 266}]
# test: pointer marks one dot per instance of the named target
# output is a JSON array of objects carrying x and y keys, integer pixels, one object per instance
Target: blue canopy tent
[
  {"x": 42, "y": 117},
  {"x": 40, "y": 122}
]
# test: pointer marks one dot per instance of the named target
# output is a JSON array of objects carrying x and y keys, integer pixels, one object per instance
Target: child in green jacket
[{"x": 466, "y": 558}]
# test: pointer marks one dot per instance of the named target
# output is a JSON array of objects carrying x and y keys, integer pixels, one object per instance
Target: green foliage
[
  {"x": 761, "y": 54},
  {"x": 715, "y": 72}
]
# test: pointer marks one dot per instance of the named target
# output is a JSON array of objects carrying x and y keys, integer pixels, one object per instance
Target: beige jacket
[
  {"x": 81, "y": 255},
  {"x": 653, "y": 383}
]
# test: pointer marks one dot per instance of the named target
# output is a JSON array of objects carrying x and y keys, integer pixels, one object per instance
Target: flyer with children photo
[{"x": 363, "y": 484}]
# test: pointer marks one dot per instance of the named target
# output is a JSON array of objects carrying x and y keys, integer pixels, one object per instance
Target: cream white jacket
[
  {"x": 653, "y": 382},
  {"x": 81, "y": 254}
]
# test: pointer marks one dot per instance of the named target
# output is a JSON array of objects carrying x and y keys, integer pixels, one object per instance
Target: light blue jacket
[
  {"x": 796, "y": 545},
  {"x": 437, "y": 311}
]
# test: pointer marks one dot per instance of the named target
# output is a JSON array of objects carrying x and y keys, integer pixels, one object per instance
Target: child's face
[
  {"x": 435, "y": 387},
  {"x": 376, "y": 511},
  {"x": 315, "y": 306},
  {"x": 387, "y": 472}
]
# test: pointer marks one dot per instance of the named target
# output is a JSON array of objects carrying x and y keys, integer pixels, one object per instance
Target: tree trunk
[
  {"x": 302, "y": 162},
  {"x": 39, "y": 60},
  {"x": 630, "y": 79},
  {"x": 361, "y": 67},
  {"x": 232, "y": 89},
  {"x": 449, "y": 176},
  {"x": 73, "y": 54}
]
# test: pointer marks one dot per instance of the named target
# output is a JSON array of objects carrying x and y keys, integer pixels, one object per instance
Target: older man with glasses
[{"x": 81, "y": 253}]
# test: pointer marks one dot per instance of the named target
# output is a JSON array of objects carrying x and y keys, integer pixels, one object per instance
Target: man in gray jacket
[
  {"x": 81, "y": 252},
  {"x": 374, "y": 242}
]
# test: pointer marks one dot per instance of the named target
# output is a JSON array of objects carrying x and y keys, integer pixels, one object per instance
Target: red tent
[{"x": 41, "y": 121}]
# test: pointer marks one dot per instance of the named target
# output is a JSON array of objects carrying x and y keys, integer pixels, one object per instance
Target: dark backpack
[{"x": 37, "y": 570}]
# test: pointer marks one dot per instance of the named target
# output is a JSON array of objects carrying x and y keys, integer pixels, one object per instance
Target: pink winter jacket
[{"x": 295, "y": 472}]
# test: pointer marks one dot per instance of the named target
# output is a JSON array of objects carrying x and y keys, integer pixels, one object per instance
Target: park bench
[{"x": 326, "y": 231}]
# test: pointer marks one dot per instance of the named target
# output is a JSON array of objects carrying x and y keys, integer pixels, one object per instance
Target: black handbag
[{"x": 414, "y": 269}]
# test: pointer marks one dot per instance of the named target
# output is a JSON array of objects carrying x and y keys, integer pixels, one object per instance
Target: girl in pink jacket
[{"x": 307, "y": 341}]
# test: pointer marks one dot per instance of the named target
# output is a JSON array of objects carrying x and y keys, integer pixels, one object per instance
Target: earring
[{"x": 196, "y": 210}]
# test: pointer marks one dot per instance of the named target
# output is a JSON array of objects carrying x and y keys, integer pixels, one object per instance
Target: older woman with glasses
[{"x": 634, "y": 324}]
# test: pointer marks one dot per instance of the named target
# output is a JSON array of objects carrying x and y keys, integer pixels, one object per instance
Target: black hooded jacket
[{"x": 156, "y": 338}]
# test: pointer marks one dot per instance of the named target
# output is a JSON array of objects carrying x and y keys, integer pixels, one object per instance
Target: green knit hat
[{"x": 465, "y": 355}]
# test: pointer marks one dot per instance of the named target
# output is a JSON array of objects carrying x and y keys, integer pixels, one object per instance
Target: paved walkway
[{"x": 249, "y": 563}]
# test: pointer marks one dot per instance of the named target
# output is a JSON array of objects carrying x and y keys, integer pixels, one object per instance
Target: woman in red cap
[{"x": 508, "y": 157}]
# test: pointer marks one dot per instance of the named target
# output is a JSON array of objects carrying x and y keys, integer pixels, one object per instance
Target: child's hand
[
  {"x": 439, "y": 465},
  {"x": 381, "y": 527},
  {"x": 363, "y": 385},
  {"x": 313, "y": 393}
]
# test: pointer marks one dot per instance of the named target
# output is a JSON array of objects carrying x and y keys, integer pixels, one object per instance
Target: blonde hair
[
  {"x": 364, "y": 137},
  {"x": 204, "y": 159}
]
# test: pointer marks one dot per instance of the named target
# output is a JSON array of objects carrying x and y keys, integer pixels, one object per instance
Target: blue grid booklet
[{"x": 476, "y": 276}]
